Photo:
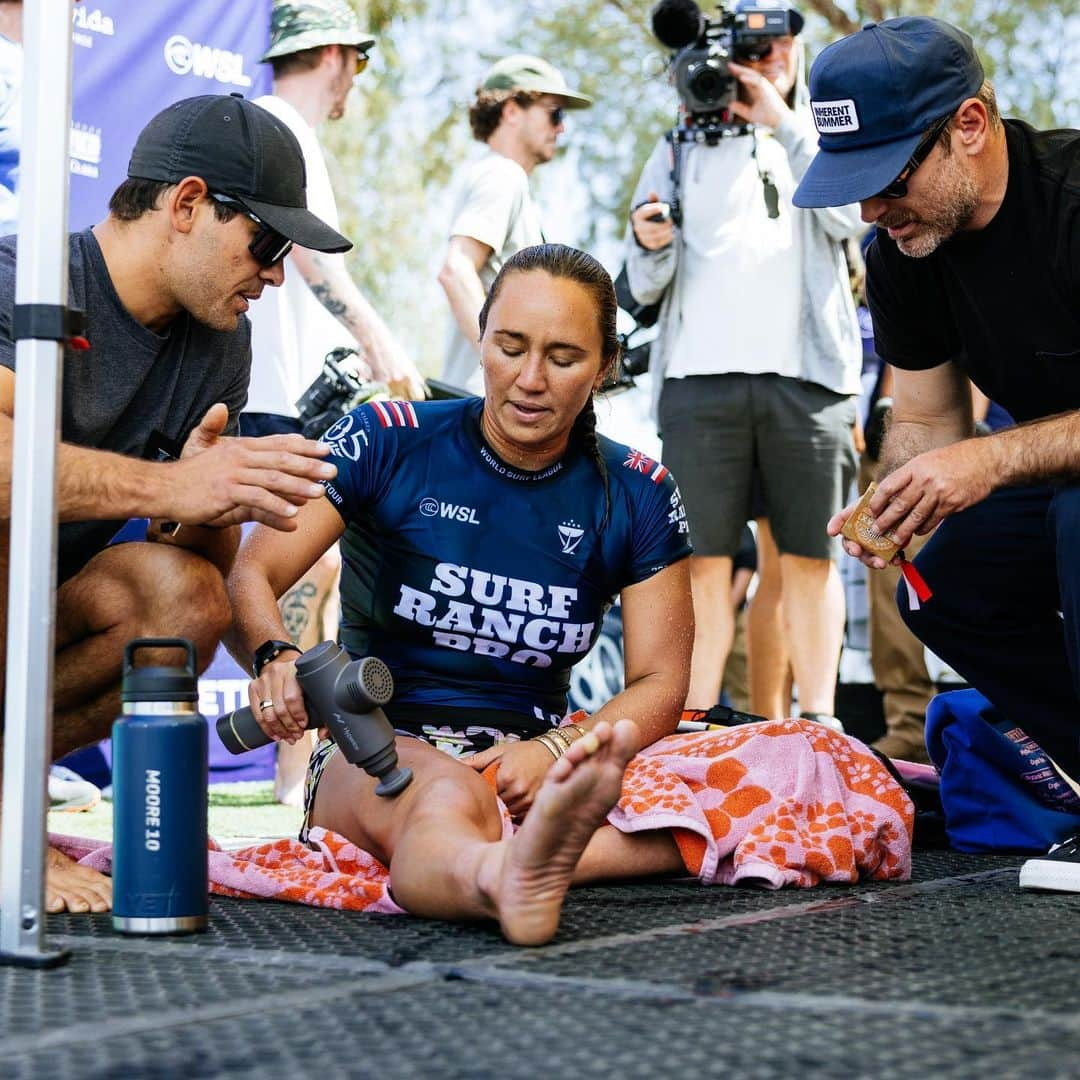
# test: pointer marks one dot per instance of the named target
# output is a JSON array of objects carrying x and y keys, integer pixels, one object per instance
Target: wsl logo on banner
[
  {"x": 186, "y": 57},
  {"x": 85, "y": 150},
  {"x": 85, "y": 24}
]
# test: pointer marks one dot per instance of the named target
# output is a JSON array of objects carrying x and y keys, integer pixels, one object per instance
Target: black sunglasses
[
  {"x": 753, "y": 50},
  {"x": 899, "y": 187},
  {"x": 557, "y": 115},
  {"x": 267, "y": 246}
]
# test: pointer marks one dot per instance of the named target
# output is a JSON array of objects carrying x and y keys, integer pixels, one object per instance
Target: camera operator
[{"x": 758, "y": 351}]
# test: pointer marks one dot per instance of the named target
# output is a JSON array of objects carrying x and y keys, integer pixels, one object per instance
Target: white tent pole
[{"x": 41, "y": 293}]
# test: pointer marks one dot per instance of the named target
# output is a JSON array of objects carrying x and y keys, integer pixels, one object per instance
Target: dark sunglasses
[
  {"x": 752, "y": 51},
  {"x": 899, "y": 187},
  {"x": 267, "y": 246},
  {"x": 361, "y": 62},
  {"x": 557, "y": 115}
]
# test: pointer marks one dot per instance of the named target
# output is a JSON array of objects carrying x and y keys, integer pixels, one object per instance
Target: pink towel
[
  {"x": 333, "y": 873},
  {"x": 783, "y": 803},
  {"x": 787, "y": 803}
]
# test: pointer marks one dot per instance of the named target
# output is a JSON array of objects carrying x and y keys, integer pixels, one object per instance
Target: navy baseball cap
[
  {"x": 873, "y": 95},
  {"x": 241, "y": 150}
]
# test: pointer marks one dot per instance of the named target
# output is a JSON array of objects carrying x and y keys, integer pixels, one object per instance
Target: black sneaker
[{"x": 1057, "y": 871}]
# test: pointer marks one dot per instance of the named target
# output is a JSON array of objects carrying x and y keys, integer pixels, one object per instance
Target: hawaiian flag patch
[
  {"x": 395, "y": 413},
  {"x": 636, "y": 461}
]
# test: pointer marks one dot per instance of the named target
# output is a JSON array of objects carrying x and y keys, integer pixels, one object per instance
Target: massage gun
[{"x": 344, "y": 696}]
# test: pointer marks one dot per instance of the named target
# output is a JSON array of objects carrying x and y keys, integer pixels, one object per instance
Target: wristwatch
[{"x": 270, "y": 650}]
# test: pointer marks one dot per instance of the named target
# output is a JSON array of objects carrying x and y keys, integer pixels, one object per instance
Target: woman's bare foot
[
  {"x": 527, "y": 877},
  {"x": 71, "y": 887}
]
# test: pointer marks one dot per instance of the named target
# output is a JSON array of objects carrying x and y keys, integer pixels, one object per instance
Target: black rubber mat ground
[{"x": 958, "y": 973}]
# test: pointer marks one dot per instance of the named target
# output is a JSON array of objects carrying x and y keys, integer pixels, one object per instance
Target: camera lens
[{"x": 708, "y": 84}]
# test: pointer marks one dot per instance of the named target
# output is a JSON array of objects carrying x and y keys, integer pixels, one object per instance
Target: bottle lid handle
[{"x": 159, "y": 643}]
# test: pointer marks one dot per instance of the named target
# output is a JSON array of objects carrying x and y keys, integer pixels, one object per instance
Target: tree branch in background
[
  {"x": 839, "y": 19},
  {"x": 875, "y": 10}
]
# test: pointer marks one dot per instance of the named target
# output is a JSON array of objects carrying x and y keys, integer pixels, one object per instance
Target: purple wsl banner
[{"x": 134, "y": 57}]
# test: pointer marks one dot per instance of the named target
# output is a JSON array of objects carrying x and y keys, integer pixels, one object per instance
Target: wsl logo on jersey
[
  {"x": 488, "y": 614},
  {"x": 430, "y": 508}
]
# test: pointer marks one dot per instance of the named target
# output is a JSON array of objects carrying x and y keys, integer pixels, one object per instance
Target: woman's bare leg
[
  {"x": 441, "y": 836},
  {"x": 612, "y": 855}
]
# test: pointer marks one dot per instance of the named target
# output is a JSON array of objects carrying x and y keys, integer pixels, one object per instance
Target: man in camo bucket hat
[
  {"x": 518, "y": 113},
  {"x": 317, "y": 49},
  {"x": 306, "y": 24}
]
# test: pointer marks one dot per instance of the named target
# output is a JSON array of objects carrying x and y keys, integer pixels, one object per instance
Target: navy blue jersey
[{"x": 480, "y": 585}]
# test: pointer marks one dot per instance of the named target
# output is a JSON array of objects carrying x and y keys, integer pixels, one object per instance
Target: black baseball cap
[
  {"x": 240, "y": 150},
  {"x": 874, "y": 94}
]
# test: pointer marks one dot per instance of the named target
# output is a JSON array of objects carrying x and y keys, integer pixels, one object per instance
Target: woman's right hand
[{"x": 285, "y": 718}]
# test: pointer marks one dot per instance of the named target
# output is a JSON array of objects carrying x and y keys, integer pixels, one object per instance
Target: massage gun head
[{"x": 365, "y": 685}]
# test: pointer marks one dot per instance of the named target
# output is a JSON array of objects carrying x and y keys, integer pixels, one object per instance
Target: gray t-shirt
[
  {"x": 132, "y": 382},
  {"x": 495, "y": 207}
]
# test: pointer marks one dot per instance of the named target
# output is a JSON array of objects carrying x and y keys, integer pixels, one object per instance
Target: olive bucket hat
[{"x": 522, "y": 72}]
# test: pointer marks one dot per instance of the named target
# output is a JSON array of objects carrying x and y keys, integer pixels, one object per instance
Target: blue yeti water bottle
[{"x": 160, "y": 883}]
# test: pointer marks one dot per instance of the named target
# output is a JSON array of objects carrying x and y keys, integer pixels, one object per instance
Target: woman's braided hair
[{"x": 562, "y": 261}]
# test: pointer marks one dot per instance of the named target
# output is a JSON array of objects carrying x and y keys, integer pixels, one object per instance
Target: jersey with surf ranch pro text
[{"x": 478, "y": 584}]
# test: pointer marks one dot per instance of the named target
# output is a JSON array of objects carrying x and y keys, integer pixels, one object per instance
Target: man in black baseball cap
[
  {"x": 241, "y": 151},
  {"x": 213, "y": 201},
  {"x": 974, "y": 273}
]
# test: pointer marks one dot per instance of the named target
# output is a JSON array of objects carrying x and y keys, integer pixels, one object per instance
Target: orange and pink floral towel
[{"x": 784, "y": 803}]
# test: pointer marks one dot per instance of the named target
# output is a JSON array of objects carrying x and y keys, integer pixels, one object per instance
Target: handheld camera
[
  {"x": 703, "y": 46},
  {"x": 335, "y": 391}
]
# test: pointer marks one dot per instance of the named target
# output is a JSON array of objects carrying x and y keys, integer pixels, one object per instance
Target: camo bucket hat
[{"x": 296, "y": 25}]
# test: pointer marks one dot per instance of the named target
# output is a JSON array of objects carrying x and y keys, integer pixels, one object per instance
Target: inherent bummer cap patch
[{"x": 831, "y": 117}]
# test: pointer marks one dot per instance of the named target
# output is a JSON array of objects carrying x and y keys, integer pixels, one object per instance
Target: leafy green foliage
[{"x": 394, "y": 156}]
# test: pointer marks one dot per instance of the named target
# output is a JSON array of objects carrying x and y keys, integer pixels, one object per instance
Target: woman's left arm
[{"x": 658, "y": 639}]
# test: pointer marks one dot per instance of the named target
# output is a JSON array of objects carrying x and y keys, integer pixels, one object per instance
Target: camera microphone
[{"x": 677, "y": 22}]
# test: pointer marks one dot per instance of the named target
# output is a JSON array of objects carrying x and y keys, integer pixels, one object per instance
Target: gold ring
[{"x": 268, "y": 703}]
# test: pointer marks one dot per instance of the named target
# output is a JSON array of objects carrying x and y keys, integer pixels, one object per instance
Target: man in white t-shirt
[
  {"x": 518, "y": 114},
  {"x": 756, "y": 360},
  {"x": 317, "y": 48}
]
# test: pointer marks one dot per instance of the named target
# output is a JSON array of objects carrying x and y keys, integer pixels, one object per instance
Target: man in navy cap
[
  {"x": 975, "y": 272},
  {"x": 213, "y": 202}
]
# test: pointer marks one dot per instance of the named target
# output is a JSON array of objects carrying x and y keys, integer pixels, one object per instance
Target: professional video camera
[
  {"x": 702, "y": 48},
  {"x": 334, "y": 392}
]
